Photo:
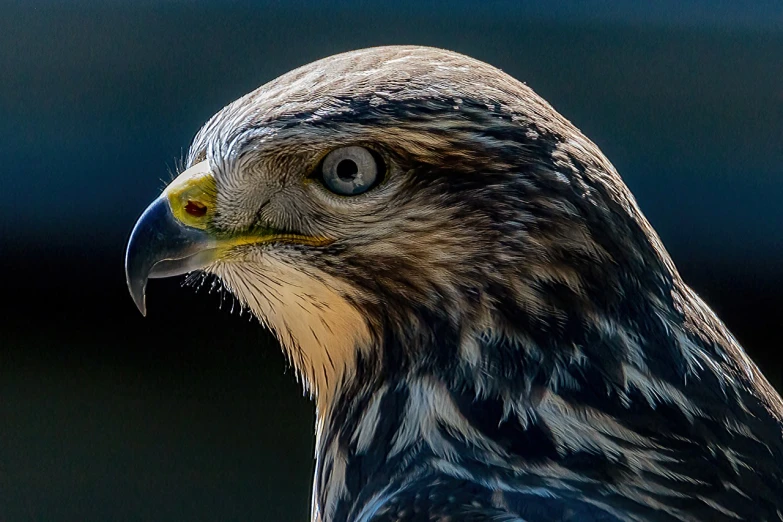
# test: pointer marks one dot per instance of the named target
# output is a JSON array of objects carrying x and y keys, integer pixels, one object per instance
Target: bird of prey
[{"x": 490, "y": 328}]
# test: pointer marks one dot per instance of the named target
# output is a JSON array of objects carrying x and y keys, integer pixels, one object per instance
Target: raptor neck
[{"x": 507, "y": 405}]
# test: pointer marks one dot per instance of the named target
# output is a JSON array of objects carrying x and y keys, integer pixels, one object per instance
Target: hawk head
[
  {"x": 382, "y": 208},
  {"x": 464, "y": 283}
]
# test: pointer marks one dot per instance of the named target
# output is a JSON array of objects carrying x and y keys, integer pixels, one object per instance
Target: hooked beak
[
  {"x": 161, "y": 246},
  {"x": 171, "y": 238}
]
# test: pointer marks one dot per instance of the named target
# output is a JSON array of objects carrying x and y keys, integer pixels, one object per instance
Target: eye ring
[{"x": 350, "y": 171}]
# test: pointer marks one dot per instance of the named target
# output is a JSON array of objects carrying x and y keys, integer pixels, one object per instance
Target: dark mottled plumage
[{"x": 495, "y": 332}]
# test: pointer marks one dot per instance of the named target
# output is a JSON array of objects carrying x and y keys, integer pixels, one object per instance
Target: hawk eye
[{"x": 349, "y": 171}]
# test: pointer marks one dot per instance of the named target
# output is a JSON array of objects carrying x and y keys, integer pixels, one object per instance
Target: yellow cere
[{"x": 193, "y": 195}]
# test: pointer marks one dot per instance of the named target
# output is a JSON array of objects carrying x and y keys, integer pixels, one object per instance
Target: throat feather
[{"x": 319, "y": 330}]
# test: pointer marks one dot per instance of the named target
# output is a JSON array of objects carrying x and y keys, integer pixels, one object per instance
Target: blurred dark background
[{"x": 191, "y": 414}]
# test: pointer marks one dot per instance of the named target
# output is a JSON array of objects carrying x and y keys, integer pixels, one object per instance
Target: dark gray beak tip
[
  {"x": 145, "y": 249},
  {"x": 138, "y": 293},
  {"x": 136, "y": 276}
]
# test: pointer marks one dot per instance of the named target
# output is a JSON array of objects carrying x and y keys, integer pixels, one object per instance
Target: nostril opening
[{"x": 196, "y": 209}]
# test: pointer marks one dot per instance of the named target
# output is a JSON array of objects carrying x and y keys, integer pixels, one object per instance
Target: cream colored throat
[{"x": 320, "y": 331}]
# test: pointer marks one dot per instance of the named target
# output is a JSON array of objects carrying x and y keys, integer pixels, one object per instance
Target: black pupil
[{"x": 347, "y": 170}]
